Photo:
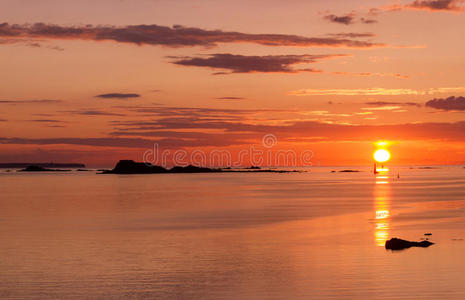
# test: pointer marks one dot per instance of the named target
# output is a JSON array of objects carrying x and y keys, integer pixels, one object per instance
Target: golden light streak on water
[{"x": 382, "y": 205}]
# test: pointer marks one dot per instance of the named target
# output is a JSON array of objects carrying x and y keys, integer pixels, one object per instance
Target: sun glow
[{"x": 381, "y": 155}]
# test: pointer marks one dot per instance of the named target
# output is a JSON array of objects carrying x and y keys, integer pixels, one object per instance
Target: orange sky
[{"x": 96, "y": 82}]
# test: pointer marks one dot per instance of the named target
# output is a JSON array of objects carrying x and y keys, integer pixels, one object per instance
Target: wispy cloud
[
  {"x": 254, "y": 64},
  {"x": 369, "y": 74},
  {"x": 352, "y": 34},
  {"x": 46, "y": 121},
  {"x": 374, "y": 91},
  {"x": 384, "y": 103},
  {"x": 176, "y": 36},
  {"x": 230, "y": 98},
  {"x": 34, "y": 101},
  {"x": 354, "y": 92},
  {"x": 92, "y": 112},
  {"x": 118, "y": 96}
]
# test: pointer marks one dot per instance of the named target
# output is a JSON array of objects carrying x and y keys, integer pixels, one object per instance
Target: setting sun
[{"x": 382, "y": 155}]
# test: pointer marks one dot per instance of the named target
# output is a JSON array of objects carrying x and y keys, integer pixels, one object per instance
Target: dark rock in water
[
  {"x": 349, "y": 171},
  {"x": 399, "y": 244},
  {"x": 428, "y": 233},
  {"x": 132, "y": 167},
  {"x": 254, "y": 168},
  {"x": 41, "y": 169}
]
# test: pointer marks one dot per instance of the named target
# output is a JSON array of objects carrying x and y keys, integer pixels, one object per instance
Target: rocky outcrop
[{"x": 399, "y": 244}]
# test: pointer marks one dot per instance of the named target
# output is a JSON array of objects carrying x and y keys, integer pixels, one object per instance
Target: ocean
[{"x": 309, "y": 235}]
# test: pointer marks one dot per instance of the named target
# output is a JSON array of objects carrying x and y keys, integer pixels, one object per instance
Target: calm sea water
[{"x": 232, "y": 236}]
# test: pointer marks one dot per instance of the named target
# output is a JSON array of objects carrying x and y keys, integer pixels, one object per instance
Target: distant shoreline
[{"x": 43, "y": 165}]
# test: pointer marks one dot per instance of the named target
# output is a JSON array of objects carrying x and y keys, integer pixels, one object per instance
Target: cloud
[
  {"x": 40, "y": 101},
  {"x": 430, "y": 5},
  {"x": 230, "y": 98},
  {"x": 438, "y": 4},
  {"x": 368, "y": 74},
  {"x": 383, "y": 103},
  {"x": 33, "y": 43},
  {"x": 46, "y": 121},
  {"x": 103, "y": 142},
  {"x": 349, "y": 19},
  {"x": 117, "y": 96},
  {"x": 51, "y": 123},
  {"x": 38, "y": 45},
  {"x": 353, "y": 92},
  {"x": 374, "y": 91},
  {"x": 352, "y": 35},
  {"x": 344, "y": 19},
  {"x": 92, "y": 112},
  {"x": 368, "y": 21},
  {"x": 448, "y": 104},
  {"x": 254, "y": 64},
  {"x": 176, "y": 36}
]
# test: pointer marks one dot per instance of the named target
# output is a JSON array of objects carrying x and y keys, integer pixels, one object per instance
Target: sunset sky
[{"x": 97, "y": 81}]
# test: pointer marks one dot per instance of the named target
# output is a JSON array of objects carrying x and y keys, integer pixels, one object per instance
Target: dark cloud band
[{"x": 176, "y": 36}]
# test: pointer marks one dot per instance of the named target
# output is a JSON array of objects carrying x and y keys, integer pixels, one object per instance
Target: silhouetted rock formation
[
  {"x": 349, "y": 171},
  {"x": 399, "y": 244},
  {"x": 41, "y": 169},
  {"x": 132, "y": 167}
]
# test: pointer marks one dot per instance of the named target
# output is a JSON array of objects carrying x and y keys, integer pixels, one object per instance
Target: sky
[{"x": 98, "y": 81}]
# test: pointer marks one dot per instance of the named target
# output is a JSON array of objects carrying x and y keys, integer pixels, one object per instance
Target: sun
[{"x": 382, "y": 155}]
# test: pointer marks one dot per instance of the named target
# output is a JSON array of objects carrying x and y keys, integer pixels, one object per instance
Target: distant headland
[
  {"x": 43, "y": 165},
  {"x": 41, "y": 169}
]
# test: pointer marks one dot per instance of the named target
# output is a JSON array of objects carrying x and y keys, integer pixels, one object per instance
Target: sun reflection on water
[{"x": 382, "y": 205}]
